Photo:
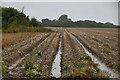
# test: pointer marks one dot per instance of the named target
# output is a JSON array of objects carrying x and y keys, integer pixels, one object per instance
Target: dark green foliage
[
  {"x": 97, "y": 69},
  {"x": 106, "y": 51},
  {"x": 31, "y": 68},
  {"x": 63, "y": 17},
  {"x": 31, "y": 72},
  {"x": 7, "y": 13},
  {"x": 14, "y": 21},
  {"x": 116, "y": 66},
  {"x": 5, "y": 69},
  {"x": 29, "y": 64},
  {"x": 65, "y": 67},
  {"x": 39, "y": 53},
  {"x": 85, "y": 56},
  {"x": 64, "y": 21},
  {"x": 82, "y": 64},
  {"x": 90, "y": 72},
  {"x": 34, "y": 22},
  {"x": 13, "y": 18},
  {"x": 20, "y": 68},
  {"x": 36, "y": 69}
]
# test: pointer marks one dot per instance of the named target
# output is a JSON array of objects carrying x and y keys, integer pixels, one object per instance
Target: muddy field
[
  {"x": 85, "y": 53},
  {"x": 103, "y": 43}
]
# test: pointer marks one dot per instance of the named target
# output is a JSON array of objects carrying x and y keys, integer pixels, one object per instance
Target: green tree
[
  {"x": 7, "y": 13},
  {"x": 34, "y": 22}
]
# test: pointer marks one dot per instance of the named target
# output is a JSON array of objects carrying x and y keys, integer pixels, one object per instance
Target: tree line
[
  {"x": 64, "y": 21},
  {"x": 13, "y": 17}
]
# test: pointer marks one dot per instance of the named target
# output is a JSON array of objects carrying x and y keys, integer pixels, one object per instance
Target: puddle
[
  {"x": 101, "y": 65},
  {"x": 56, "y": 68}
]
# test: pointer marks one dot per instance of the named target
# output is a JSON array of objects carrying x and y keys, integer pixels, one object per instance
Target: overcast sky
[{"x": 96, "y": 11}]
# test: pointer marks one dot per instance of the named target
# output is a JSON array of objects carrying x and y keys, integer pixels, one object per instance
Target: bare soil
[
  {"x": 98, "y": 39},
  {"x": 33, "y": 53}
]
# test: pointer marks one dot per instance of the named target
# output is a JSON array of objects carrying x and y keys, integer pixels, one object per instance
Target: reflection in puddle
[{"x": 56, "y": 68}]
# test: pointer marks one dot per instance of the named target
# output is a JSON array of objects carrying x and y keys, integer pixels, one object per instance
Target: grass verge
[{"x": 25, "y": 29}]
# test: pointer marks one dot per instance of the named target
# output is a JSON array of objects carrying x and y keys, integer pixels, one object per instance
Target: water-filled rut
[
  {"x": 101, "y": 65},
  {"x": 56, "y": 68}
]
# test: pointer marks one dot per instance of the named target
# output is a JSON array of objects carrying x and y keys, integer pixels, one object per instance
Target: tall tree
[{"x": 34, "y": 22}]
